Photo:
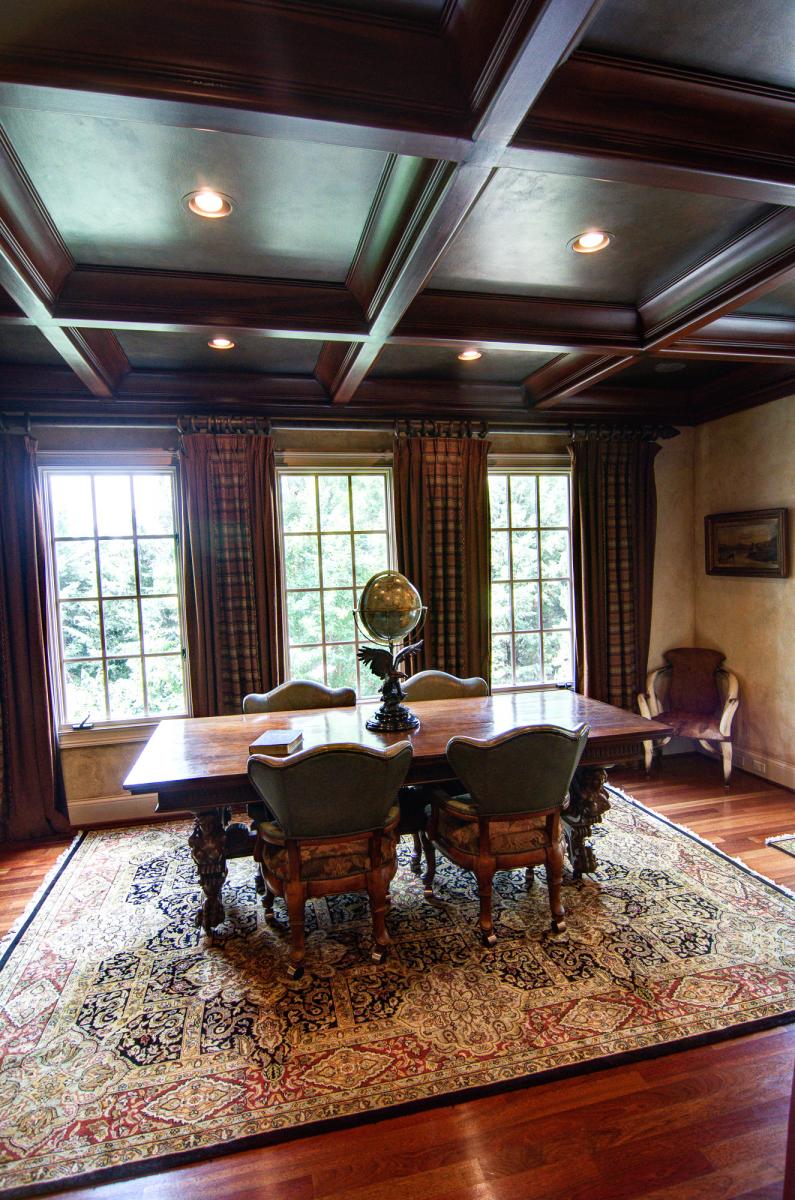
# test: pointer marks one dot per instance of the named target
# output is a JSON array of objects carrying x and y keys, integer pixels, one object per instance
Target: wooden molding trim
[
  {"x": 757, "y": 261},
  {"x": 694, "y": 131}
]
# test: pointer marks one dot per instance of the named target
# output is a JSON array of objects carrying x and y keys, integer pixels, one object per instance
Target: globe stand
[{"x": 392, "y": 716}]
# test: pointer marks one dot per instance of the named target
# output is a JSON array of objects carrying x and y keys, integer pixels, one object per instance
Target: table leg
[
  {"x": 208, "y": 847},
  {"x": 588, "y": 801}
]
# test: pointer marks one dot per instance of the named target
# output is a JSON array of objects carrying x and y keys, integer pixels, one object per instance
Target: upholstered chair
[
  {"x": 298, "y": 693},
  {"x": 294, "y": 694},
  {"x": 517, "y": 784},
  {"x": 697, "y": 696},
  {"x": 438, "y": 685},
  {"x": 431, "y": 685},
  {"x": 333, "y": 829}
]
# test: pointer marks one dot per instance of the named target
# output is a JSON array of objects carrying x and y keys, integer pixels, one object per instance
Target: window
[
  {"x": 117, "y": 624},
  {"x": 336, "y": 533},
  {"x": 531, "y": 642}
]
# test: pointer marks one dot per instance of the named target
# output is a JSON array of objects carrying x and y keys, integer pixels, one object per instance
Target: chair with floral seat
[
  {"x": 431, "y": 685},
  {"x": 517, "y": 785},
  {"x": 697, "y": 696},
  {"x": 333, "y": 829}
]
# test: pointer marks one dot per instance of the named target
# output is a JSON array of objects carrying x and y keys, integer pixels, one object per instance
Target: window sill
[{"x": 109, "y": 735}]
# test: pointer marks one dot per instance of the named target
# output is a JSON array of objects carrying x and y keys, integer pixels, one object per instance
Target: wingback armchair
[
  {"x": 697, "y": 696},
  {"x": 333, "y": 829}
]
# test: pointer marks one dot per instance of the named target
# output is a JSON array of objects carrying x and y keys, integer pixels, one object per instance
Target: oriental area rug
[
  {"x": 129, "y": 1042},
  {"x": 784, "y": 841}
]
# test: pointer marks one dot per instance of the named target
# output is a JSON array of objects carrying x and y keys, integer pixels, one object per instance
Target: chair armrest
[
  {"x": 648, "y": 701},
  {"x": 730, "y": 704}
]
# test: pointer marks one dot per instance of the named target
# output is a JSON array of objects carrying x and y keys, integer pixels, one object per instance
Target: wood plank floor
[{"x": 708, "y": 1123}]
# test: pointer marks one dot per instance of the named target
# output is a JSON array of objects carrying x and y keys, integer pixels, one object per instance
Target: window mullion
[{"x": 100, "y": 609}]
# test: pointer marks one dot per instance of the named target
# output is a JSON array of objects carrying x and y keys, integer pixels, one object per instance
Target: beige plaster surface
[
  {"x": 747, "y": 461},
  {"x": 673, "y": 595}
]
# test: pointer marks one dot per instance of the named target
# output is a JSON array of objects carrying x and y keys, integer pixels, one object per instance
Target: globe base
[{"x": 392, "y": 718}]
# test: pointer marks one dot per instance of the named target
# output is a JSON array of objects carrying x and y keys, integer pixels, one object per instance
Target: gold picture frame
[{"x": 754, "y": 543}]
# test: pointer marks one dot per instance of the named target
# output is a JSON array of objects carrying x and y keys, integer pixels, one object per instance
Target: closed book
[{"x": 277, "y": 742}]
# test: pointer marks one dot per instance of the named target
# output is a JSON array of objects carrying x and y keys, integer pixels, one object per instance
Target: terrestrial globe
[{"x": 390, "y": 607}]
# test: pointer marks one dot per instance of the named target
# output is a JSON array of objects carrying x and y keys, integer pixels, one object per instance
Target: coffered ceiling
[{"x": 406, "y": 179}]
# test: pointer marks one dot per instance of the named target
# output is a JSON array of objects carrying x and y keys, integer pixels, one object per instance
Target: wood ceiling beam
[
  {"x": 58, "y": 392},
  {"x": 518, "y": 322},
  {"x": 527, "y": 47},
  {"x": 274, "y": 70},
  {"x": 614, "y": 118},
  {"x": 752, "y": 264},
  {"x": 739, "y": 338},
  {"x": 33, "y": 265},
  {"x": 744, "y": 388},
  {"x": 569, "y": 374},
  {"x": 187, "y": 302}
]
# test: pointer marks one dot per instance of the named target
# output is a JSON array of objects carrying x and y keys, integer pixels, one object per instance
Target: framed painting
[{"x": 748, "y": 543}]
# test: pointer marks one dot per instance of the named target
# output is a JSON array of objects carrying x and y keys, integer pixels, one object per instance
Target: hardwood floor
[{"x": 708, "y": 1123}]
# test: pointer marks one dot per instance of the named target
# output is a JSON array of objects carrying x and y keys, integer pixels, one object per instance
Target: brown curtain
[
  {"x": 232, "y": 568},
  {"x": 31, "y": 798},
  {"x": 443, "y": 545},
  {"x": 614, "y": 518}
]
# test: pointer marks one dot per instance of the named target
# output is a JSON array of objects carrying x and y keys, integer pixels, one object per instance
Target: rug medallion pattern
[{"x": 126, "y": 1036}]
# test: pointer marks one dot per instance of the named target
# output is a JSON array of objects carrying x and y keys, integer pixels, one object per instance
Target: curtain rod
[{"x": 565, "y": 429}]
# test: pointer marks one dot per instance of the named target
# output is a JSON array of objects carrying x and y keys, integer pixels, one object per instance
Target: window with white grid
[
  {"x": 531, "y": 626},
  {"x": 117, "y": 625},
  {"x": 336, "y": 532}
]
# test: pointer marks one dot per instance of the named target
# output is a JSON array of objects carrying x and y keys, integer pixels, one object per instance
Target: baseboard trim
[
  {"x": 100, "y": 810},
  {"x": 755, "y": 762}
]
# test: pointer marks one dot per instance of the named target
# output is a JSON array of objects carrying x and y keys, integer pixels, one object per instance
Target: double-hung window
[
  {"x": 117, "y": 625},
  {"x": 531, "y": 625},
  {"x": 336, "y": 532}
]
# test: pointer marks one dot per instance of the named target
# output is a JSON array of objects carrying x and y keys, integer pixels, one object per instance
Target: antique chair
[
  {"x": 334, "y": 829},
  {"x": 438, "y": 685},
  {"x": 294, "y": 694},
  {"x": 298, "y": 693},
  {"x": 517, "y": 784},
  {"x": 697, "y": 697},
  {"x": 431, "y": 685}
]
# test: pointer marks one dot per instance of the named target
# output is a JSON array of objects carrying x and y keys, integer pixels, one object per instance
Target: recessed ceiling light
[
  {"x": 667, "y": 368},
  {"x": 590, "y": 241},
  {"x": 221, "y": 343},
  {"x": 206, "y": 202},
  {"x": 470, "y": 355}
]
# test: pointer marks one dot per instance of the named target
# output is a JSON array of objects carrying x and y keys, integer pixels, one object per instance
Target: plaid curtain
[
  {"x": 614, "y": 518},
  {"x": 232, "y": 568},
  {"x": 443, "y": 543},
  {"x": 32, "y": 802}
]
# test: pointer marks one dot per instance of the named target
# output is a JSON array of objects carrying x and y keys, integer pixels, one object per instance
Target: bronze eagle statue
[{"x": 381, "y": 662}]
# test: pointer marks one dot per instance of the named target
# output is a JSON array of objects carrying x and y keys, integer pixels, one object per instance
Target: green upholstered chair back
[
  {"x": 526, "y": 770},
  {"x": 438, "y": 685},
  {"x": 298, "y": 693},
  {"x": 331, "y": 790}
]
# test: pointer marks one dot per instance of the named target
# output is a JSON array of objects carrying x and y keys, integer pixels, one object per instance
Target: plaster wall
[
  {"x": 747, "y": 461},
  {"x": 673, "y": 614}
]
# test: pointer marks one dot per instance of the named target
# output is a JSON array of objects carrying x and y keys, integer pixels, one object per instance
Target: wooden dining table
[{"x": 198, "y": 765}]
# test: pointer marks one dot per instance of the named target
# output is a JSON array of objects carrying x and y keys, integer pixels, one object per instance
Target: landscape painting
[{"x": 747, "y": 543}]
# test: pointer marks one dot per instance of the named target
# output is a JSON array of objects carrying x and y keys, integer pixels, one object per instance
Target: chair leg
[
  {"x": 554, "y": 865},
  {"x": 267, "y": 903},
  {"x": 485, "y": 877},
  {"x": 295, "y": 896},
  {"x": 648, "y": 755},
  {"x": 529, "y": 877},
  {"x": 726, "y": 755},
  {"x": 378, "y": 890},
  {"x": 430, "y": 869},
  {"x": 416, "y": 858}
]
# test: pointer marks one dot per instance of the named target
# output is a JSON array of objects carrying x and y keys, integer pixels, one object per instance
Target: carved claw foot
[
  {"x": 588, "y": 802},
  {"x": 208, "y": 847}
]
